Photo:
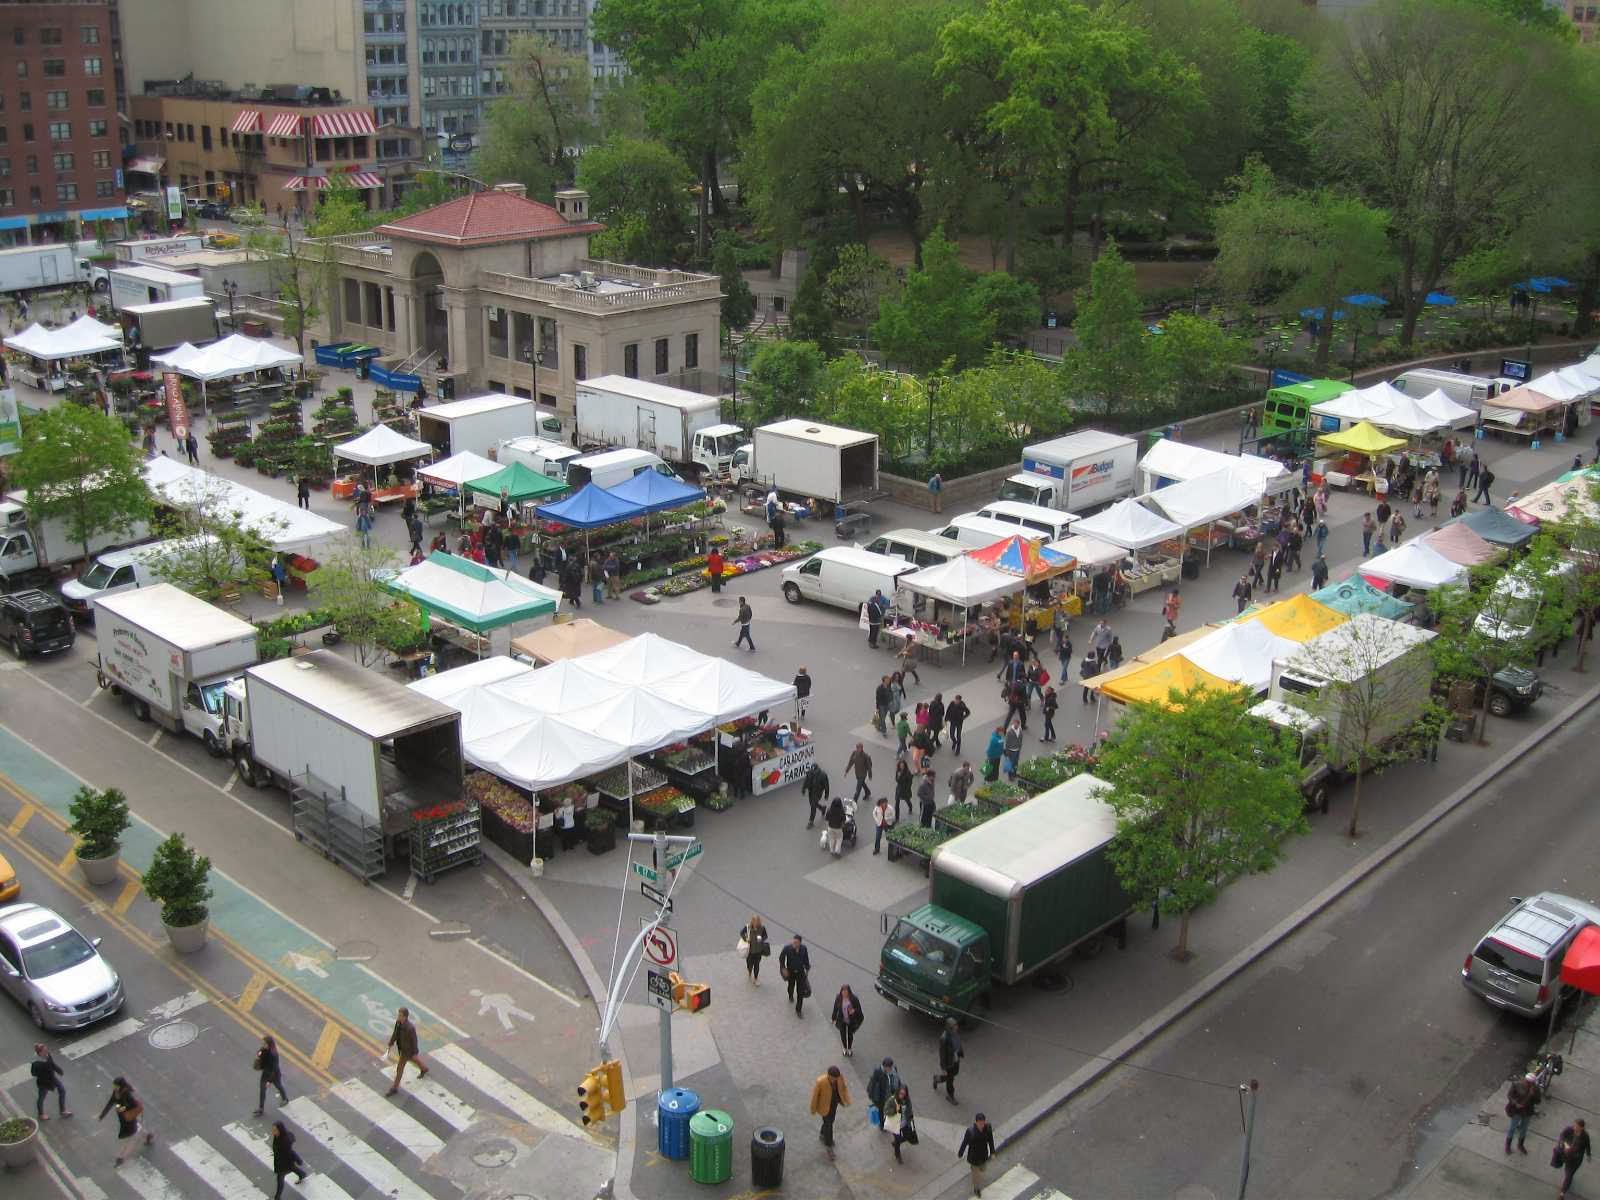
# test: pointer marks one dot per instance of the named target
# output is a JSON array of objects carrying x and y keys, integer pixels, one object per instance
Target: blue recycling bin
[{"x": 673, "y": 1111}]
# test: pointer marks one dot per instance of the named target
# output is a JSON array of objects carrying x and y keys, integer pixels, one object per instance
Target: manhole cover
[
  {"x": 355, "y": 951},
  {"x": 174, "y": 1034},
  {"x": 495, "y": 1153},
  {"x": 446, "y": 931}
]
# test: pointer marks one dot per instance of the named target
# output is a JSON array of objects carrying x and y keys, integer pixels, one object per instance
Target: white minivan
[
  {"x": 123, "y": 570},
  {"x": 915, "y": 546},
  {"x": 845, "y": 576},
  {"x": 972, "y": 532},
  {"x": 1051, "y": 522},
  {"x": 611, "y": 467}
]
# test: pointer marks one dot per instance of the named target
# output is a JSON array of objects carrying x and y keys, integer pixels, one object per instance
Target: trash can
[
  {"x": 673, "y": 1111},
  {"x": 711, "y": 1147},
  {"x": 766, "y": 1157}
]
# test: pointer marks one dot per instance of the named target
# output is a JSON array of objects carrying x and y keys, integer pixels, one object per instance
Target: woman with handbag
[
  {"x": 1572, "y": 1147},
  {"x": 847, "y": 1018},
  {"x": 897, "y": 1120},
  {"x": 754, "y": 945}
]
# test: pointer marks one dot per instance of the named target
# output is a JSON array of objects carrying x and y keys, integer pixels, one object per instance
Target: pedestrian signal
[{"x": 692, "y": 996}]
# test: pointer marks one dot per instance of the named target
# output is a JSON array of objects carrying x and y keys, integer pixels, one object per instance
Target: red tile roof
[{"x": 485, "y": 218}]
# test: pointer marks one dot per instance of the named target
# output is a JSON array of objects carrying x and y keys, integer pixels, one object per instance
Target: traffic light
[
  {"x": 611, "y": 1075},
  {"x": 592, "y": 1096},
  {"x": 693, "y": 996}
]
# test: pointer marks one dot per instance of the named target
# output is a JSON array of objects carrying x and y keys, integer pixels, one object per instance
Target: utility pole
[{"x": 1253, "y": 1089}]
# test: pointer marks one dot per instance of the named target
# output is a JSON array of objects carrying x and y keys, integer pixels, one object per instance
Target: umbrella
[
  {"x": 1016, "y": 555},
  {"x": 1440, "y": 298},
  {"x": 1366, "y": 300},
  {"x": 1316, "y": 313}
]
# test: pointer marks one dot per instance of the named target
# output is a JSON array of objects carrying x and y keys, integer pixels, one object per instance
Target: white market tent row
[
  {"x": 380, "y": 446},
  {"x": 459, "y": 469},
  {"x": 1090, "y": 552},
  {"x": 1565, "y": 385},
  {"x": 1389, "y": 408},
  {"x": 963, "y": 581},
  {"x": 1241, "y": 652},
  {"x": 233, "y": 355},
  {"x": 1415, "y": 564},
  {"x": 1180, "y": 461},
  {"x": 83, "y": 337},
  {"x": 1437, "y": 404},
  {"x": 1204, "y": 499},
  {"x": 281, "y": 525},
  {"x": 1129, "y": 524},
  {"x": 1361, "y": 404}
]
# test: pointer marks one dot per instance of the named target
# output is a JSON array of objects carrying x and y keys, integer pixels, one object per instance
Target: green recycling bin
[{"x": 710, "y": 1146}]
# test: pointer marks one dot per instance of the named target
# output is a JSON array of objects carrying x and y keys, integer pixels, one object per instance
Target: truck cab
[
  {"x": 935, "y": 962},
  {"x": 742, "y": 466},
  {"x": 235, "y": 728},
  {"x": 202, "y": 711},
  {"x": 715, "y": 447},
  {"x": 1309, "y": 735},
  {"x": 19, "y": 561},
  {"x": 1028, "y": 488}
]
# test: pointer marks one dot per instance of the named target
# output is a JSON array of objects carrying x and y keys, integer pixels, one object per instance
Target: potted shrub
[
  {"x": 19, "y": 1138},
  {"x": 600, "y": 827},
  {"x": 99, "y": 819},
  {"x": 179, "y": 881}
]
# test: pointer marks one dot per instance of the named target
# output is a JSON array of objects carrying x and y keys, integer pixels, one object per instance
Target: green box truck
[{"x": 1007, "y": 899}]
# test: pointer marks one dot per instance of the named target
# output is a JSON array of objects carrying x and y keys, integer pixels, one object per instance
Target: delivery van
[
  {"x": 611, "y": 467},
  {"x": 1469, "y": 391},
  {"x": 1051, "y": 522},
  {"x": 844, "y": 576},
  {"x": 123, "y": 570},
  {"x": 915, "y": 546},
  {"x": 972, "y": 532}
]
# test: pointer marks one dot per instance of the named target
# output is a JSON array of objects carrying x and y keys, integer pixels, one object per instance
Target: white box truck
[
  {"x": 805, "y": 458},
  {"x": 477, "y": 424},
  {"x": 33, "y": 550},
  {"x": 153, "y": 250},
  {"x": 138, "y": 285},
  {"x": 1469, "y": 391},
  {"x": 682, "y": 427},
  {"x": 25, "y": 268},
  {"x": 1077, "y": 473},
  {"x": 172, "y": 655},
  {"x": 150, "y": 328}
]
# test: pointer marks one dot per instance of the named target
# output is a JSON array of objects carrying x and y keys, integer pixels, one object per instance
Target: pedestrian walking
[
  {"x": 270, "y": 1071},
  {"x": 925, "y": 799},
  {"x": 1017, "y": 704},
  {"x": 904, "y": 781},
  {"x": 860, "y": 762},
  {"x": 1100, "y": 641},
  {"x": 1319, "y": 572},
  {"x": 882, "y": 698},
  {"x": 960, "y": 783},
  {"x": 1088, "y": 669},
  {"x": 794, "y": 964},
  {"x": 1474, "y": 469},
  {"x": 1113, "y": 656},
  {"x": 977, "y": 1147},
  {"x": 1242, "y": 592},
  {"x": 991, "y": 756},
  {"x": 834, "y": 823},
  {"x": 742, "y": 620},
  {"x": 191, "y": 446},
  {"x": 130, "y": 1118},
  {"x": 1462, "y": 468},
  {"x": 611, "y": 570},
  {"x": 1397, "y": 529},
  {"x": 875, "y": 607},
  {"x": 802, "y": 693},
  {"x": 955, "y": 716},
  {"x": 1459, "y": 504},
  {"x": 897, "y": 1118},
  {"x": 881, "y": 820},
  {"x": 1521, "y": 1100},
  {"x": 897, "y": 691},
  {"x": 1430, "y": 491},
  {"x": 1275, "y": 570},
  {"x": 1572, "y": 1147},
  {"x": 1297, "y": 541},
  {"x": 47, "y": 1075},
  {"x": 1485, "y": 482},
  {"x": 847, "y": 1018},
  {"x": 1013, "y": 748},
  {"x": 936, "y": 713},
  {"x": 827, "y": 1095},
  {"x": 936, "y": 491},
  {"x": 286, "y": 1159},
  {"x": 883, "y": 1086},
  {"x": 404, "y": 1040},
  {"x": 951, "y": 1052},
  {"x": 595, "y": 572},
  {"x": 815, "y": 786},
  {"x": 1321, "y": 533},
  {"x": 414, "y": 528},
  {"x": 757, "y": 945},
  {"x": 1170, "y": 609},
  {"x": 714, "y": 566},
  {"x": 1063, "y": 641},
  {"x": 1048, "y": 708},
  {"x": 1258, "y": 564}
]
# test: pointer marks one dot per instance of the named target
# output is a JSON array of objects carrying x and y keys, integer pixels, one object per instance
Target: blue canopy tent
[
  {"x": 1442, "y": 299},
  {"x": 1498, "y": 527},
  {"x": 1355, "y": 595},
  {"x": 590, "y": 507},
  {"x": 656, "y": 492},
  {"x": 1366, "y": 300}
]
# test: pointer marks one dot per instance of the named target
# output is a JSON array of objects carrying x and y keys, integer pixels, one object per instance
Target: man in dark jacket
[
  {"x": 951, "y": 1052},
  {"x": 861, "y": 763},
  {"x": 802, "y": 693},
  {"x": 1521, "y": 1100},
  {"x": 882, "y": 697},
  {"x": 875, "y": 607},
  {"x": 815, "y": 786},
  {"x": 794, "y": 964},
  {"x": 884, "y": 1083},
  {"x": 925, "y": 798},
  {"x": 47, "y": 1075},
  {"x": 404, "y": 1041},
  {"x": 977, "y": 1147},
  {"x": 955, "y": 717}
]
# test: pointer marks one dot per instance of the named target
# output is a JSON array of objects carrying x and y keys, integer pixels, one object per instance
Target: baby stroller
[{"x": 849, "y": 830}]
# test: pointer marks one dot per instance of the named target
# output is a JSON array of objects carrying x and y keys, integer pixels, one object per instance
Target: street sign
[
  {"x": 649, "y": 874},
  {"x": 661, "y": 947},
  {"x": 660, "y": 988},
  {"x": 674, "y": 861},
  {"x": 654, "y": 895}
]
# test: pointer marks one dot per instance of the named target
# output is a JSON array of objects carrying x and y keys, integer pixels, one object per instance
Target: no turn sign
[{"x": 661, "y": 947}]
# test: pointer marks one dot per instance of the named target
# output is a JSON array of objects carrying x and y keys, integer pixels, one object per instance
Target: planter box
[
  {"x": 100, "y": 871},
  {"x": 601, "y": 840},
  {"x": 519, "y": 845}
]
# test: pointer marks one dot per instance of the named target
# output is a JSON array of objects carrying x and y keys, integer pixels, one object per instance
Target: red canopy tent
[{"x": 1580, "y": 968}]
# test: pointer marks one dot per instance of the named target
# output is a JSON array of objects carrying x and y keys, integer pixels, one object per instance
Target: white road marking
[
  {"x": 396, "y": 1122},
  {"x": 455, "y": 1112},
  {"x": 1012, "y": 1184},
  {"x": 101, "y": 1038},
  {"x": 505, "y": 1093},
  {"x": 1052, "y": 1194},
  {"x": 410, "y": 889},
  {"x": 558, "y": 993},
  {"x": 153, "y": 739},
  {"x": 147, "y": 1181},
  {"x": 220, "y": 1175},
  {"x": 232, "y": 779},
  {"x": 316, "y": 1187},
  {"x": 88, "y": 1189},
  {"x": 109, "y": 1035},
  {"x": 352, "y": 1151},
  {"x": 177, "y": 1005}
]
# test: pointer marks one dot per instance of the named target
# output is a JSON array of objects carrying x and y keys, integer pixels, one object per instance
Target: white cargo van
[
  {"x": 915, "y": 546},
  {"x": 123, "y": 570},
  {"x": 537, "y": 454},
  {"x": 1051, "y": 522},
  {"x": 611, "y": 467},
  {"x": 845, "y": 576},
  {"x": 1468, "y": 390},
  {"x": 972, "y": 532}
]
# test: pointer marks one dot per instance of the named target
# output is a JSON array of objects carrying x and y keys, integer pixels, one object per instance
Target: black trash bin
[
  {"x": 362, "y": 368},
  {"x": 766, "y": 1158},
  {"x": 447, "y": 388}
]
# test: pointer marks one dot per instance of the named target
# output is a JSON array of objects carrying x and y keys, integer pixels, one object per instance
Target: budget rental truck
[
  {"x": 1077, "y": 473},
  {"x": 1005, "y": 900},
  {"x": 685, "y": 428},
  {"x": 172, "y": 655},
  {"x": 805, "y": 458}
]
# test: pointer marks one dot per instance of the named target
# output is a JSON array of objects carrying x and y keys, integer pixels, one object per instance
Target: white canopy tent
[
  {"x": 255, "y": 354},
  {"x": 963, "y": 582},
  {"x": 233, "y": 356},
  {"x": 1177, "y": 462},
  {"x": 1090, "y": 552},
  {"x": 1200, "y": 501},
  {"x": 1129, "y": 524},
  {"x": 1415, "y": 564},
  {"x": 1361, "y": 404},
  {"x": 1410, "y": 415},
  {"x": 1242, "y": 652},
  {"x": 459, "y": 469},
  {"x": 1439, "y": 405},
  {"x": 380, "y": 446},
  {"x": 1563, "y": 387},
  {"x": 281, "y": 525},
  {"x": 83, "y": 337}
]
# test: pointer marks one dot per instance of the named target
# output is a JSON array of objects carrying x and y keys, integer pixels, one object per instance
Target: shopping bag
[
  {"x": 742, "y": 948},
  {"x": 874, "y": 1116},
  {"x": 823, "y": 840}
]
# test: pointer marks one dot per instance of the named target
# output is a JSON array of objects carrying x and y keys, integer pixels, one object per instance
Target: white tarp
[
  {"x": 1090, "y": 552},
  {"x": 1180, "y": 461},
  {"x": 1437, "y": 404},
  {"x": 1561, "y": 387},
  {"x": 1241, "y": 652},
  {"x": 83, "y": 336},
  {"x": 281, "y": 525},
  {"x": 381, "y": 445},
  {"x": 963, "y": 581},
  {"x": 723, "y": 691},
  {"x": 1415, "y": 564},
  {"x": 1580, "y": 376},
  {"x": 1205, "y": 499},
  {"x": 257, "y": 354},
  {"x": 645, "y": 659},
  {"x": 459, "y": 469},
  {"x": 234, "y": 355},
  {"x": 1409, "y": 415},
  {"x": 1129, "y": 524},
  {"x": 1362, "y": 404}
]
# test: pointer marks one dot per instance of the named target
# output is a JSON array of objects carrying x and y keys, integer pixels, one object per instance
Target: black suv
[{"x": 34, "y": 622}]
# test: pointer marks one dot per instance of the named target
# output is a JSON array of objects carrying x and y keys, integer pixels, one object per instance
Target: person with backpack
[{"x": 1521, "y": 1100}]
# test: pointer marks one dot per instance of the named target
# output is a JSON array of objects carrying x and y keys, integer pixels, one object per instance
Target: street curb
[
  {"x": 1114, "y": 1055},
  {"x": 522, "y": 878}
]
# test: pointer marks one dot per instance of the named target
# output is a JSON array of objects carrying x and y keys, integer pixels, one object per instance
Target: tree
[
  {"x": 340, "y": 210},
  {"x": 938, "y": 317},
  {"x": 1311, "y": 247},
  {"x": 1203, "y": 793},
  {"x": 738, "y": 302},
  {"x": 783, "y": 380},
  {"x": 213, "y": 546},
  {"x": 1011, "y": 397},
  {"x": 857, "y": 395},
  {"x": 301, "y": 272},
  {"x": 1192, "y": 359},
  {"x": 78, "y": 464},
  {"x": 534, "y": 134},
  {"x": 1109, "y": 361},
  {"x": 1011, "y": 305},
  {"x": 348, "y": 582},
  {"x": 858, "y": 284},
  {"x": 644, "y": 184},
  {"x": 1488, "y": 273}
]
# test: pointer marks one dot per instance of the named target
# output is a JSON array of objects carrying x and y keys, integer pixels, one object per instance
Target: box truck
[
  {"x": 1077, "y": 473},
  {"x": 152, "y": 250},
  {"x": 172, "y": 655},
  {"x": 804, "y": 458},
  {"x": 151, "y": 328},
  {"x": 477, "y": 424},
  {"x": 685, "y": 428},
  {"x": 27, "y": 267},
  {"x": 1005, "y": 900},
  {"x": 537, "y": 454},
  {"x": 136, "y": 285},
  {"x": 33, "y": 549},
  {"x": 1469, "y": 391}
]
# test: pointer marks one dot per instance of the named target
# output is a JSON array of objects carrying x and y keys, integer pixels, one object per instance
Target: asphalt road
[{"x": 1369, "y": 1051}]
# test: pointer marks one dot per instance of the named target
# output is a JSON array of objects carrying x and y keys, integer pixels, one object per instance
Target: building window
[
  {"x": 549, "y": 351},
  {"x": 35, "y": 197},
  {"x": 96, "y": 97},
  {"x": 49, "y": 35},
  {"x": 31, "y": 162},
  {"x": 61, "y": 162},
  {"x": 25, "y": 101},
  {"x": 580, "y": 362},
  {"x": 499, "y": 327},
  {"x": 55, "y": 68},
  {"x": 630, "y": 360},
  {"x": 8, "y": 198},
  {"x": 661, "y": 356},
  {"x": 105, "y": 187},
  {"x": 691, "y": 351},
  {"x": 91, "y": 66},
  {"x": 27, "y": 131},
  {"x": 56, "y": 100},
  {"x": 352, "y": 301},
  {"x": 102, "y": 159},
  {"x": 19, "y": 36},
  {"x": 22, "y": 68},
  {"x": 66, "y": 191},
  {"x": 97, "y": 129},
  {"x": 60, "y": 131},
  {"x": 89, "y": 35},
  {"x": 205, "y": 137},
  {"x": 5, "y": 167},
  {"x": 522, "y": 336}
]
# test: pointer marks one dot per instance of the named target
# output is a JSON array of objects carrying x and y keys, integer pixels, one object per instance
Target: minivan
[
  {"x": 1511, "y": 610},
  {"x": 972, "y": 532},
  {"x": 611, "y": 467},
  {"x": 845, "y": 576},
  {"x": 915, "y": 546},
  {"x": 123, "y": 570},
  {"x": 1517, "y": 964},
  {"x": 1051, "y": 522}
]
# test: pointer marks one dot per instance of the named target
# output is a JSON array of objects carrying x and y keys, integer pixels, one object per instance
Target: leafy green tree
[
  {"x": 738, "y": 301},
  {"x": 811, "y": 317},
  {"x": 1203, "y": 793},
  {"x": 858, "y": 284},
  {"x": 1009, "y": 398},
  {"x": 938, "y": 317},
  {"x": 302, "y": 274},
  {"x": 783, "y": 380},
  {"x": 215, "y": 542},
  {"x": 1487, "y": 272},
  {"x": 1192, "y": 358},
  {"x": 1012, "y": 305},
  {"x": 1110, "y": 361},
  {"x": 644, "y": 184},
  {"x": 857, "y": 395},
  {"x": 340, "y": 210},
  {"x": 78, "y": 465},
  {"x": 533, "y": 134},
  {"x": 349, "y": 582}
]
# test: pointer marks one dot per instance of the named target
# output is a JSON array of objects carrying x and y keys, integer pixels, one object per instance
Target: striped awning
[
  {"x": 360, "y": 180},
  {"x": 284, "y": 125},
  {"x": 342, "y": 124},
  {"x": 248, "y": 121},
  {"x": 146, "y": 166}
]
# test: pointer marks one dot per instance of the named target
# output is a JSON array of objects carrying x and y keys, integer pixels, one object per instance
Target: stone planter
[
  {"x": 21, "y": 1152},
  {"x": 186, "y": 939},
  {"x": 98, "y": 872}
]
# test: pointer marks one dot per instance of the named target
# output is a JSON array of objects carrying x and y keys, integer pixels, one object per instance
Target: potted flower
[
  {"x": 600, "y": 826},
  {"x": 178, "y": 880},
  {"x": 19, "y": 1138},
  {"x": 99, "y": 819}
]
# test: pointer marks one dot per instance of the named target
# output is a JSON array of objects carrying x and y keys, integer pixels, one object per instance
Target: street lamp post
[{"x": 231, "y": 289}]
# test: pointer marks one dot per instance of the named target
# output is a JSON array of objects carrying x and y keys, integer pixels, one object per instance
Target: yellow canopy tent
[
  {"x": 1155, "y": 683},
  {"x": 1298, "y": 618},
  {"x": 1362, "y": 438}
]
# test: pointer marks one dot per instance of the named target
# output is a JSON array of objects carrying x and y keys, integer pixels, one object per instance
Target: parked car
[
  {"x": 1517, "y": 964},
  {"x": 1511, "y": 690},
  {"x": 34, "y": 622},
  {"x": 53, "y": 971},
  {"x": 9, "y": 884},
  {"x": 214, "y": 210}
]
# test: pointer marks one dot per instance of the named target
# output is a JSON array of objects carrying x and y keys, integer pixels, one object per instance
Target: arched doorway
[{"x": 435, "y": 331}]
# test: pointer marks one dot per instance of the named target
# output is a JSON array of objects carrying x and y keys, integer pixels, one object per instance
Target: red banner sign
[{"x": 177, "y": 409}]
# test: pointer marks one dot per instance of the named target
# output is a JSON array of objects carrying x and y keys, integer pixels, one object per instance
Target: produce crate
[{"x": 445, "y": 837}]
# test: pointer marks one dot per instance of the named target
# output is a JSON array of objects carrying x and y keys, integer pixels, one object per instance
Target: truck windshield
[
  {"x": 97, "y": 577},
  {"x": 211, "y": 697},
  {"x": 919, "y": 948},
  {"x": 725, "y": 444},
  {"x": 1012, "y": 490}
]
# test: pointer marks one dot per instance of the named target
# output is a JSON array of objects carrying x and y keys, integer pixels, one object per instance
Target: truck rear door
[{"x": 647, "y": 429}]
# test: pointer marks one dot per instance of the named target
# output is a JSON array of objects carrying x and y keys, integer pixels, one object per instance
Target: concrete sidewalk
[{"x": 1476, "y": 1164}]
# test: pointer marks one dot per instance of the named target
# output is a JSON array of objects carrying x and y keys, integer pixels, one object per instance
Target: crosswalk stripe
[
  {"x": 505, "y": 1093},
  {"x": 1052, "y": 1194},
  {"x": 147, "y": 1181},
  {"x": 259, "y": 1147},
  {"x": 352, "y": 1151},
  {"x": 101, "y": 1038},
  {"x": 455, "y": 1112},
  {"x": 1012, "y": 1184},
  {"x": 396, "y": 1122},
  {"x": 220, "y": 1175}
]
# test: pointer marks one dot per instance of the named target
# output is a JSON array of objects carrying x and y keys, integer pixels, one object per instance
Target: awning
[
  {"x": 381, "y": 445},
  {"x": 1415, "y": 564},
  {"x": 146, "y": 166},
  {"x": 1460, "y": 543},
  {"x": 471, "y": 595},
  {"x": 1129, "y": 524},
  {"x": 299, "y": 183},
  {"x": 569, "y": 640},
  {"x": 1580, "y": 965},
  {"x": 1298, "y": 618},
  {"x": 1499, "y": 527},
  {"x": 1018, "y": 556},
  {"x": 655, "y": 492},
  {"x": 1241, "y": 653},
  {"x": 1362, "y": 438},
  {"x": 1355, "y": 595},
  {"x": 248, "y": 121},
  {"x": 459, "y": 469},
  {"x": 588, "y": 508},
  {"x": 518, "y": 482},
  {"x": 1088, "y": 551},
  {"x": 360, "y": 180},
  {"x": 342, "y": 124},
  {"x": 84, "y": 336},
  {"x": 284, "y": 125},
  {"x": 1156, "y": 683},
  {"x": 961, "y": 581}
]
